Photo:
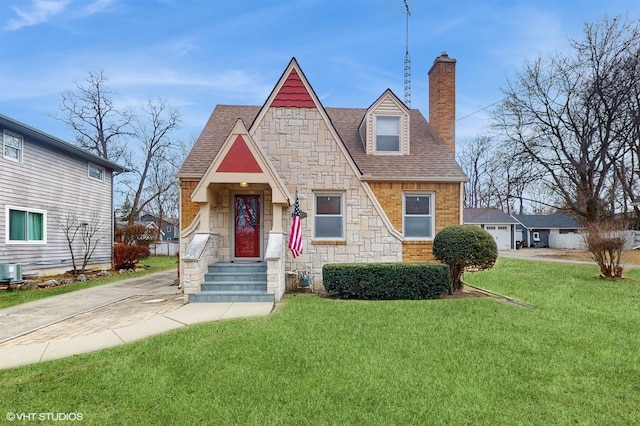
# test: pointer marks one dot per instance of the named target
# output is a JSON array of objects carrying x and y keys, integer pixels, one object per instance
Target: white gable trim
[
  {"x": 381, "y": 212},
  {"x": 269, "y": 175}
]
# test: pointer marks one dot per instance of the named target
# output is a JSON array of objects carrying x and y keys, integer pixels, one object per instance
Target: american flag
[{"x": 295, "y": 236}]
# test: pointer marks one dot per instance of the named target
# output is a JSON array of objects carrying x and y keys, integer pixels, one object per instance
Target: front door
[{"x": 247, "y": 235}]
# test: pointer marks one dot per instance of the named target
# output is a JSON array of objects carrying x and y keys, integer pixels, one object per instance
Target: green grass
[
  {"x": 154, "y": 263},
  {"x": 571, "y": 359}
]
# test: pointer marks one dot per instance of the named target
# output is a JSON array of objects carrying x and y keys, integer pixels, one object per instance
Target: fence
[
  {"x": 164, "y": 248},
  {"x": 576, "y": 241}
]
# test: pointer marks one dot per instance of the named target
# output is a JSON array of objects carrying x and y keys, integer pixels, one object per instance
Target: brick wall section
[
  {"x": 442, "y": 96},
  {"x": 447, "y": 211},
  {"x": 188, "y": 209}
]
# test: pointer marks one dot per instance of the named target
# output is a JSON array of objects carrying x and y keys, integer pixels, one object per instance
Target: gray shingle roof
[
  {"x": 548, "y": 221},
  {"x": 481, "y": 216}
]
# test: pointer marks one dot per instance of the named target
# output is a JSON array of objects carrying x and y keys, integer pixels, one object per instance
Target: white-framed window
[
  {"x": 96, "y": 172},
  {"x": 387, "y": 134},
  {"x": 25, "y": 226},
  {"x": 418, "y": 216},
  {"x": 12, "y": 146},
  {"x": 328, "y": 218}
]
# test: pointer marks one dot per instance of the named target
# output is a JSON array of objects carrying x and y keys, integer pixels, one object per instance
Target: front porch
[
  {"x": 206, "y": 276},
  {"x": 234, "y": 282}
]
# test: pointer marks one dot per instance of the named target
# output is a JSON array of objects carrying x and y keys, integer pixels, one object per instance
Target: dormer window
[
  {"x": 388, "y": 134},
  {"x": 385, "y": 127}
]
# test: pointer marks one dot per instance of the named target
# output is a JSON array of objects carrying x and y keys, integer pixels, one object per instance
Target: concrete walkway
[{"x": 105, "y": 316}]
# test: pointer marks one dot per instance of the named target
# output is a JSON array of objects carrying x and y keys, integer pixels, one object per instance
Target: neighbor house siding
[
  {"x": 53, "y": 181},
  {"x": 447, "y": 211}
]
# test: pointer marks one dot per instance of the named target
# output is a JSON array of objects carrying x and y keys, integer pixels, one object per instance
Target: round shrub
[{"x": 462, "y": 247}]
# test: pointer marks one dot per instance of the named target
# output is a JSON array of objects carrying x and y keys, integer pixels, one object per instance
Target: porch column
[
  {"x": 205, "y": 211},
  {"x": 277, "y": 218}
]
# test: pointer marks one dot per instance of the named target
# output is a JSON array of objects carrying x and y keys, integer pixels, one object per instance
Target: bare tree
[
  {"x": 569, "y": 115},
  {"x": 474, "y": 158},
  {"x": 90, "y": 112},
  {"x": 152, "y": 131},
  {"x": 72, "y": 227},
  {"x": 496, "y": 177},
  {"x": 605, "y": 240}
]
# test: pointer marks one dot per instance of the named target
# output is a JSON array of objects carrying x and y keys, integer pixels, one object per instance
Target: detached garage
[{"x": 500, "y": 225}]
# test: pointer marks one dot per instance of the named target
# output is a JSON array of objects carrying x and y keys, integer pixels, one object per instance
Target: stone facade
[
  {"x": 308, "y": 158},
  {"x": 304, "y": 151}
]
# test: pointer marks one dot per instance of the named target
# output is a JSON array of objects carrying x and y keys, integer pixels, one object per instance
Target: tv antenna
[{"x": 407, "y": 63}]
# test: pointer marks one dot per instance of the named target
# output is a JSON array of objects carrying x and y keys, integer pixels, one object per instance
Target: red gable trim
[
  {"x": 293, "y": 93},
  {"x": 239, "y": 159}
]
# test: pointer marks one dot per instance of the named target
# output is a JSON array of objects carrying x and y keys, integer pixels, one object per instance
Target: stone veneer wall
[
  {"x": 303, "y": 150},
  {"x": 194, "y": 265},
  {"x": 447, "y": 211}
]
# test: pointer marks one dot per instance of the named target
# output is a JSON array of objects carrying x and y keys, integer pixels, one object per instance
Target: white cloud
[
  {"x": 42, "y": 11},
  {"x": 39, "y": 11}
]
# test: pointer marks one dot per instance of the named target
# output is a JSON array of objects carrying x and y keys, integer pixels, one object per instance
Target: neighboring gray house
[
  {"x": 536, "y": 229},
  {"x": 499, "y": 224},
  {"x": 168, "y": 226},
  {"x": 43, "y": 182}
]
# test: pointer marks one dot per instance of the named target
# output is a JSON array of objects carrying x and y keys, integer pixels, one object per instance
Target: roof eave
[
  {"x": 42, "y": 137},
  {"x": 370, "y": 178}
]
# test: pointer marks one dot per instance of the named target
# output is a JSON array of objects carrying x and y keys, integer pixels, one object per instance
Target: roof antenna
[{"x": 407, "y": 64}]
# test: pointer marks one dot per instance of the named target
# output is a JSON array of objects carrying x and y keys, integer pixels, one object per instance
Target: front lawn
[
  {"x": 153, "y": 264},
  {"x": 572, "y": 359}
]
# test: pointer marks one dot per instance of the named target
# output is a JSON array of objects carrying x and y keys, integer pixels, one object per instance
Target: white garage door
[{"x": 501, "y": 234}]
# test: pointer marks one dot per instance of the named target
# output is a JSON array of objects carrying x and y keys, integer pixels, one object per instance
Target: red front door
[{"x": 247, "y": 226}]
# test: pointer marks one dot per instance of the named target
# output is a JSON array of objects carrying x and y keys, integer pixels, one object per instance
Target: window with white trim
[
  {"x": 26, "y": 225},
  {"x": 418, "y": 216},
  {"x": 328, "y": 220},
  {"x": 387, "y": 134},
  {"x": 12, "y": 146},
  {"x": 96, "y": 172}
]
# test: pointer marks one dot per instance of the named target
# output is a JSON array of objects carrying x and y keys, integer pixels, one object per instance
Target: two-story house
[
  {"x": 374, "y": 184},
  {"x": 45, "y": 185}
]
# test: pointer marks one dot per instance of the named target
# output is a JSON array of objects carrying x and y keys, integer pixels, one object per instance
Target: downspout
[
  {"x": 461, "y": 207},
  {"x": 113, "y": 219}
]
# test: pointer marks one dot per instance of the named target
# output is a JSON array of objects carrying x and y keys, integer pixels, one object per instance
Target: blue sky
[{"x": 199, "y": 53}]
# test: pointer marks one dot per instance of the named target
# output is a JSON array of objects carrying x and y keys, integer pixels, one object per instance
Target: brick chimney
[{"x": 442, "y": 100}]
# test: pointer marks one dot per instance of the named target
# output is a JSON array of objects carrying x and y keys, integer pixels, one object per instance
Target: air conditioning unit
[{"x": 10, "y": 272}]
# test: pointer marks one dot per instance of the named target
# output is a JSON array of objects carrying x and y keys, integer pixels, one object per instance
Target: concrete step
[
  {"x": 234, "y": 285},
  {"x": 230, "y": 296},
  {"x": 256, "y": 267},
  {"x": 235, "y": 276}
]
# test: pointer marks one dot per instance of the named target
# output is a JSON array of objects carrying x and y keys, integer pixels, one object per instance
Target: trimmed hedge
[{"x": 383, "y": 281}]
